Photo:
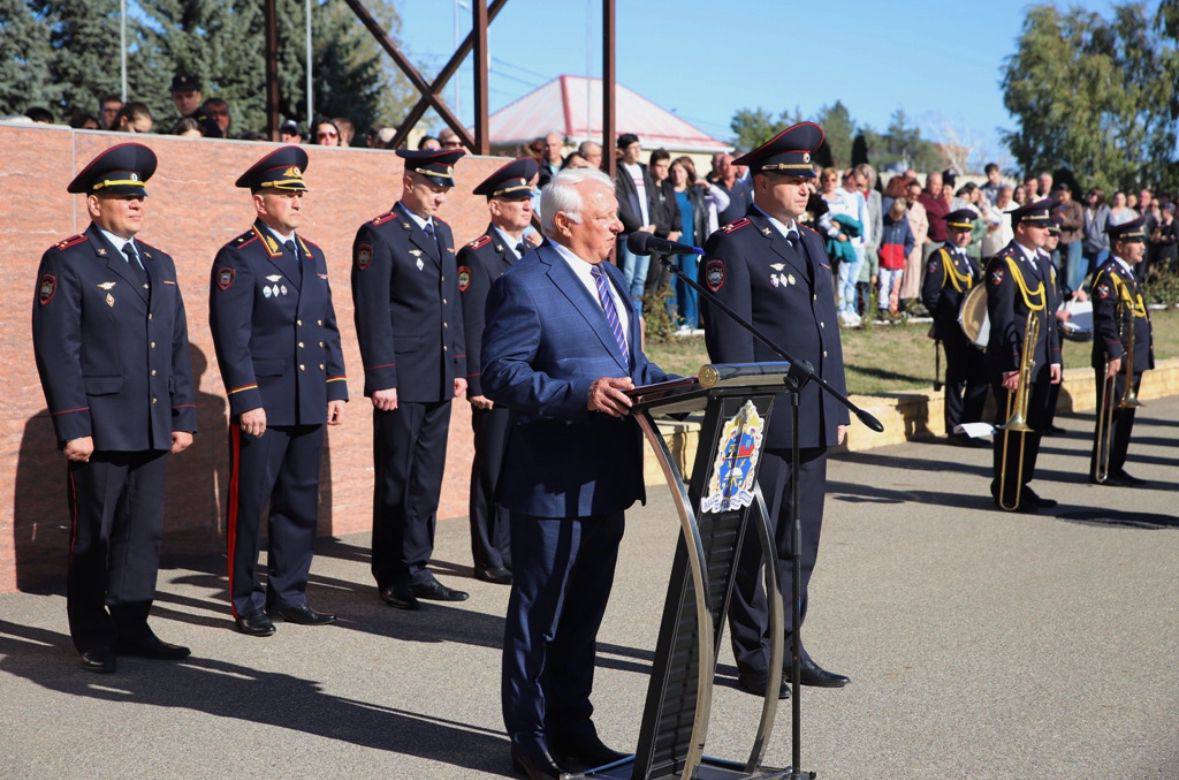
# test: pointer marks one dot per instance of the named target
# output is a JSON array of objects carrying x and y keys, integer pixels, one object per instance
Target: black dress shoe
[
  {"x": 535, "y": 762},
  {"x": 303, "y": 615},
  {"x": 1029, "y": 496},
  {"x": 497, "y": 575},
  {"x": 101, "y": 660},
  {"x": 151, "y": 646},
  {"x": 584, "y": 750},
  {"x": 1129, "y": 481},
  {"x": 813, "y": 674},
  {"x": 436, "y": 591},
  {"x": 400, "y": 596},
  {"x": 1055, "y": 430},
  {"x": 257, "y": 624},
  {"x": 756, "y": 684}
]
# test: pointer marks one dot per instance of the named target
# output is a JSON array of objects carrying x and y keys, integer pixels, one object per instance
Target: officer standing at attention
[
  {"x": 509, "y": 199},
  {"x": 1020, "y": 285},
  {"x": 949, "y": 275},
  {"x": 278, "y": 347},
  {"x": 775, "y": 273},
  {"x": 111, "y": 342},
  {"x": 1114, "y": 284},
  {"x": 410, "y": 325}
]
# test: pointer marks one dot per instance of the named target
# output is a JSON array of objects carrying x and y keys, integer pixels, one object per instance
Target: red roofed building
[{"x": 572, "y": 106}]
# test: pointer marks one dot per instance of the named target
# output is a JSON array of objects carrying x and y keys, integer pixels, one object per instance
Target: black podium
[{"x": 717, "y": 505}]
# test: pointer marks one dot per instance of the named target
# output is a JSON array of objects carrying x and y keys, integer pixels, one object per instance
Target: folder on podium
[{"x": 717, "y": 505}]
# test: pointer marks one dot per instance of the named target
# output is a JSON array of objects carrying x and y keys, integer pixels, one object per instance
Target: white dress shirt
[{"x": 584, "y": 271}]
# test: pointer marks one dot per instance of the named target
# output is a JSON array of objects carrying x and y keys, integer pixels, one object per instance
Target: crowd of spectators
[{"x": 879, "y": 233}]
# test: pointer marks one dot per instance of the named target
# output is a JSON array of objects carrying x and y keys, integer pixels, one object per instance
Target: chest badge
[
  {"x": 110, "y": 300},
  {"x": 779, "y": 279},
  {"x": 106, "y": 286},
  {"x": 420, "y": 264}
]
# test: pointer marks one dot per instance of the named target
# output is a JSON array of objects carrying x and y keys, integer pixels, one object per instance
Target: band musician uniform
[
  {"x": 480, "y": 263},
  {"x": 410, "y": 327},
  {"x": 1118, "y": 304},
  {"x": 558, "y": 326},
  {"x": 1021, "y": 284},
  {"x": 278, "y": 348},
  {"x": 778, "y": 276},
  {"x": 110, "y": 338},
  {"x": 949, "y": 275}
]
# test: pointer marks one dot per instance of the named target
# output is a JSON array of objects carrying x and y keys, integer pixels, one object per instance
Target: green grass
[{"x": 899, "y": 357}]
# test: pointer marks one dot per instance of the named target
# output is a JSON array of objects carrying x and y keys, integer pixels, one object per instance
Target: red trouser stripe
[{"x": 235, "y": 438}]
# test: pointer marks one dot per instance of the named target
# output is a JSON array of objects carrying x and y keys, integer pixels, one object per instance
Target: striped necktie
[{"x": 607, "y": 301}]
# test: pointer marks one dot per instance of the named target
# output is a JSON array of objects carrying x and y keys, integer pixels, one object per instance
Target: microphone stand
[{"x": 799, "y": 373}]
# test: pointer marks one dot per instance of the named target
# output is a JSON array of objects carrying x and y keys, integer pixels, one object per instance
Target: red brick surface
[{"x": 193, "y": 208}]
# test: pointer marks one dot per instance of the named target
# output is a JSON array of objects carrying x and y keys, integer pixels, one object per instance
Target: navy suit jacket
[
  {"x": 546, "y": 340},
  {"x": 274, "y": 327},
  {"x": 113, "y": 356}
]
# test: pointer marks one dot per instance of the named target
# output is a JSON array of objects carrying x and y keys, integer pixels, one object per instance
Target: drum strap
[{"x": 1033, "y": 299}]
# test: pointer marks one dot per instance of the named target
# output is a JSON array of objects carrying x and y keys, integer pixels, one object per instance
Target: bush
[
  {"x": 1163, "y": 288},
  {"x": 659, "y": 323}
]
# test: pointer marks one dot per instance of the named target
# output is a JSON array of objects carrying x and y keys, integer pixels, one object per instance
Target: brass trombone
[
  {"x": 1017, "y": 409},
  {"x": 1129, "y": 400}
]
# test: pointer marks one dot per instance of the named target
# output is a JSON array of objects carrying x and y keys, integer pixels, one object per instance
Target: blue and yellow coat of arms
[{"x": 734, "y": 472}]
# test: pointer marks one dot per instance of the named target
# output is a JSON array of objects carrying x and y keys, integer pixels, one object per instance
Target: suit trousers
[
  {"x": 1123, "y": 422},
  {"x": 409, "y": 451},
  {"x": 1014, "y": 443},
  {"x": 279, "y": 469},
  {"x": 749, "y": 616},
  {"x": 966, "y": 381},
  {"x": 116, "y": 504},
  {"x": 562, "y": 575},
  {"x": 491, "y": 541}
]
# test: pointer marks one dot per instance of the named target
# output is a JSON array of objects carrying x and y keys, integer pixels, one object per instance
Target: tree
[
  {"x": 837, "y": 123},
  {"x": 754, "y": 127},
  {"x": 859, "y": 153},
  {"x": 24, "y": 66},
  {"x": 1094, "y": 95}
]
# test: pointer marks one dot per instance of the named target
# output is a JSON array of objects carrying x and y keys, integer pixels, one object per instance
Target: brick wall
[{"x": 193, "y": 208}]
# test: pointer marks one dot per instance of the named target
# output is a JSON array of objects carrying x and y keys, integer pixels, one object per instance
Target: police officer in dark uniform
[
  {"x": 410, "y": 325},
  {"x": 278, "y": 347},
  {"x": 949, "y": 275},
  {"x": 1021, "y": 285},
  {"x": 111, "y": 342},
  {"x": 1118, "y": 305},
  {"x": 509, "y": 199},
  {"x": 775, "y": 273}
]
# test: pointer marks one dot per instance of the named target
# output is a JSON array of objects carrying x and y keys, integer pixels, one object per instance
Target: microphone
[{"x": 647, "y": 244}]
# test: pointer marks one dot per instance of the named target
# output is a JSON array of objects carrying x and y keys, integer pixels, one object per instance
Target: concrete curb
[{"x": 915, "y": 414}]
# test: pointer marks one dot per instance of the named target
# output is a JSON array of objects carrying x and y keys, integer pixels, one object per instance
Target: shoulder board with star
[
  {"x": 480, "y": 242},
  {"x": 70, "y": 242},
  {"x": 244, "y": 239},
  {"x": 733, "y": 227},
  {"x": 310, "y": 244},
  {"x": 807, "y": 228},
  {"x": 383, "y": 218}
]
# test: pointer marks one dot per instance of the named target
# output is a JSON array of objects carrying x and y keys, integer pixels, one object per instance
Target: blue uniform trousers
[
  {"x": 116, "y": 503},
  {"x": 280, "y": 468},
  {"x": 409, "y": 450},
  {"x": 749, "y": 617},
  {"x": 490, "y": 527},
  {"x": 562, "y": 575}
]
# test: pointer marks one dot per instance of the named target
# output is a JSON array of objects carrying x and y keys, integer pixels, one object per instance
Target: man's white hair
[{"x": 561, "y": 194}]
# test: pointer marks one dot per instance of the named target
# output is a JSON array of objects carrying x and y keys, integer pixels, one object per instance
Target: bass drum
[{"x": 972, "y": 316}]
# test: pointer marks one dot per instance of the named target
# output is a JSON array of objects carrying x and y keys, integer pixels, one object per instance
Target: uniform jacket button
[{"x": 302, "y": 367}]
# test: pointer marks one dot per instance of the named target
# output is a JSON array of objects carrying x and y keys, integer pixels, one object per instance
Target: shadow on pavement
[
  {"x": 1105, "y": 517},
  {"x": 231, "y": 691}
]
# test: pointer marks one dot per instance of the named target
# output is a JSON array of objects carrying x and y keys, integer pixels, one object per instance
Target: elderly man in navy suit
[{"x": 560, "y": 349}]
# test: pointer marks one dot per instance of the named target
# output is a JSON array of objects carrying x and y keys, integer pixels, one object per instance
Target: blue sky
[{"x": 939, "y": 62}]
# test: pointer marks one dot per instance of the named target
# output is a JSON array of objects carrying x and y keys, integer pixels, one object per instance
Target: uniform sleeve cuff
[{"x": 243, "y": 399}]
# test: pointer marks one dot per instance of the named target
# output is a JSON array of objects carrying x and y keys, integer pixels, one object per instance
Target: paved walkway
[{"x": 981, "y": 645}]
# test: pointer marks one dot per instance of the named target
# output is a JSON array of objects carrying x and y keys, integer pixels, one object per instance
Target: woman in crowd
[
  {"x": 699, "y": 202},
  {"x": 1166, "y": 250},
  {"x": 1119, "y": 212},
  {"x": 1020, "y": 196},
  {"x": 915, "y": 262},
  {"x": 187, "y": 127},
  {"x": 325, "y": 133}
]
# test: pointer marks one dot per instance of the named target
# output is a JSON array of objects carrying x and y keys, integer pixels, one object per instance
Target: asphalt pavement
[{"x": 981, "y": 644}]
